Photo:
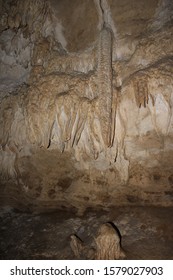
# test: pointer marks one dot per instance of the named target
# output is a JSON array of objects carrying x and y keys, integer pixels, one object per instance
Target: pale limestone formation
[
  {"x": 108, "y": 246},
  {"x": 80, "y": 249},
  {"x": 76, "y": 245},
  {"x": 88, "y": 124},
  {"x": 105, "y": 83}
]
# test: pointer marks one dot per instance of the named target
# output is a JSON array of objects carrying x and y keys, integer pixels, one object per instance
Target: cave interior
[{"x": 86, "y": 129}]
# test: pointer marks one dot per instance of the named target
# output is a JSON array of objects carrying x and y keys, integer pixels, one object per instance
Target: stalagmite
[{"x": 108, "y": 245}]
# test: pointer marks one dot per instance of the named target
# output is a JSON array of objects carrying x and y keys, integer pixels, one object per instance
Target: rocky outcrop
[
  {"x": 106, "y": 245},
  {"x": 86, "y": 122}
]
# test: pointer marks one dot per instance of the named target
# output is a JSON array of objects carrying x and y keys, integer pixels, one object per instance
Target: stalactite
[
  {"x": 113, "y": 116},
  {"x": 84, "y": 104},
  {"x": 141, "y": 90},
  {"x": 39, "y": 114},
  {"x": 96, "y": 142},
  {"x": 7, "y": 159},
  {"x": 71, "y": 115},
  {"x": 105, "y": 83},
  {"x": 7, "y": 111}
]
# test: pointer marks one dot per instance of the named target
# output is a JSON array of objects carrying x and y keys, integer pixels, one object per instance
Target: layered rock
[{"x": 86, "y": 123}]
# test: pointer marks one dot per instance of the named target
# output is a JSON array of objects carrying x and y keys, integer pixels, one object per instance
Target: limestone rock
[
  {"x": 108, "y": 245},
  {"x": 105, "y": 246},
  {"x": 86, "y": 103}
]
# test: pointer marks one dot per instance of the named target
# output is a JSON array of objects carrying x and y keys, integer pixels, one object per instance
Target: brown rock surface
[{"x": 146, "y": 232}]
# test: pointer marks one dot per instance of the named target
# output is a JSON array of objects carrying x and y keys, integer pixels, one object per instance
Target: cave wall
[{"x": 86, "y": 103}]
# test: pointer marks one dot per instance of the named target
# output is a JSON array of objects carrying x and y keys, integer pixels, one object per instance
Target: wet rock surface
[{"x": 147, "y": 232}]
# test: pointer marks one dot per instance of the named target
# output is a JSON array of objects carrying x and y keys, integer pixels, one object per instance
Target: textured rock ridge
[{"x": 105, "y": 83}]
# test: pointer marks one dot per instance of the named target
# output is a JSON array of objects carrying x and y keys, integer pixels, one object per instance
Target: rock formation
[
  {"x": 106, "y": 245},
  {"x": 86, "y": 95}
]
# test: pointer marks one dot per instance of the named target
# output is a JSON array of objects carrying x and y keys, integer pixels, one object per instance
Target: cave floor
[{"x": 147, "y": 232}]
